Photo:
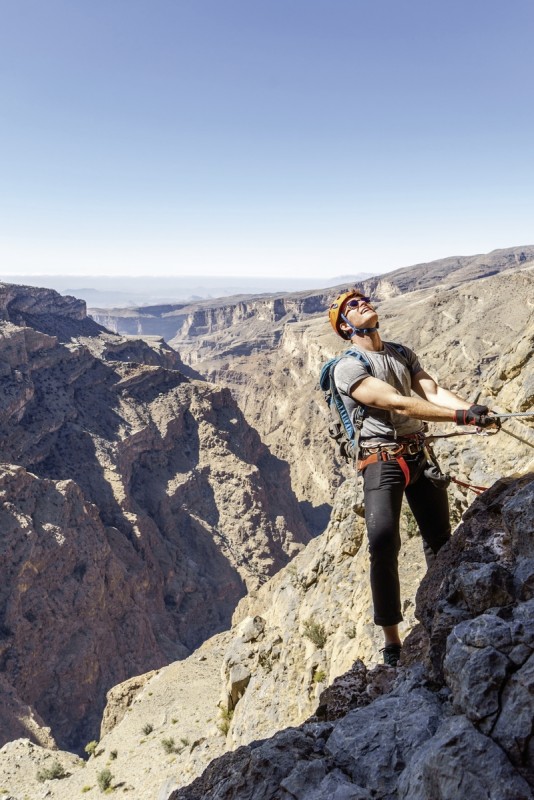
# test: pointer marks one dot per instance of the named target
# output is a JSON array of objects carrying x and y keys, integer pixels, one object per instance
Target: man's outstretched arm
[
  {"x": 426, "y": 387},
  {"x": 379, "y": 394}
]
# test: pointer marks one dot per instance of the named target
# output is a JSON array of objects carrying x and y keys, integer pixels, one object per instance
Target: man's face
[{"x": 359, "y": 311}]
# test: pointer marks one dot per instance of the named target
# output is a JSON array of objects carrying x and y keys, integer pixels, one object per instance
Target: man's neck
[{"x": 368, "y": 341}]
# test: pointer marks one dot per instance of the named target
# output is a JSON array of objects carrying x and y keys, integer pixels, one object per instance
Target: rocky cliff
[
  {"x": 300, "y": 631},
  {"x": 137, "y": 506},
  {"x": 457, "y": 722},
  {"x": 454, "y": 721}
]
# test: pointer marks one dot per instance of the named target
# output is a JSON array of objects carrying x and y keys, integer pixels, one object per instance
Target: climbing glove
[{"x": 475, "y": 415}]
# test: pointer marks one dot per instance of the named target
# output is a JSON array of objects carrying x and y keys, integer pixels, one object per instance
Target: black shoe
[{"x": 391, "y": 654}]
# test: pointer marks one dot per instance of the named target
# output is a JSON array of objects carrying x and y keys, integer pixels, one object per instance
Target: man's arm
[
  {"x": 427, "y": 388},
  {"x": 379, "y": 394}
]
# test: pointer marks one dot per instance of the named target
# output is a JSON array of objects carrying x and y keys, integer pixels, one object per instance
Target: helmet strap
[{"x": 358, "y": 330}]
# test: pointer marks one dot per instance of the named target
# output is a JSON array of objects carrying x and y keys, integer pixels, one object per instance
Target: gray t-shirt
[{"x": 386, "y": 365}]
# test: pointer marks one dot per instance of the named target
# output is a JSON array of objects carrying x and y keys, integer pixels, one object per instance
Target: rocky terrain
[
  {"x": 140, "y": 502},
  {"x": 458, "y": 720},
  {"x": 454, "y": 722},
  {"x": 137, "y": 507},
  {"x": 266, "y": 346}
]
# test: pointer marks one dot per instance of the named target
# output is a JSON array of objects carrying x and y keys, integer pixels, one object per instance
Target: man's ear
[{"x": 344, "y": 327}]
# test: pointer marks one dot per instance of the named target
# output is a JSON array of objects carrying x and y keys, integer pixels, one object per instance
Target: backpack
[{"x": 344, "y": 429}]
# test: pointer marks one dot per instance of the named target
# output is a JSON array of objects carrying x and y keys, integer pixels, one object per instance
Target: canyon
[{"x": 184, "y": 552}]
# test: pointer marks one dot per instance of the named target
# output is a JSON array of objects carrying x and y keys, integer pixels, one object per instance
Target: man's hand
[{"x": 475, "y": 415}]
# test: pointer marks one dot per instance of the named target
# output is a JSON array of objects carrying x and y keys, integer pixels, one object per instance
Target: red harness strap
[{"x": 384, "y": 456}]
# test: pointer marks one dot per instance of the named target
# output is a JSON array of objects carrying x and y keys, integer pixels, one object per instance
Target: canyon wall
[{"x": 137, "y": 507}]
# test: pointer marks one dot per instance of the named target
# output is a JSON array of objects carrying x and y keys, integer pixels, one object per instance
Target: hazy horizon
[{"x": 122, "y": 291}]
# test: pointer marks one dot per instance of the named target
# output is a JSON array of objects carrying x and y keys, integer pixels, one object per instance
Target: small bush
[
  {"x": 113, "y": 754},
  {"x": 315, "y": 632},
  {"x": 86, "y": 789},
  {"x": 54, "y": 772},
  {"x": 351, "y": 632},
  {"x": 90, "y": 748},
  {"x": 168, "y": 745},
  {"x": 148, "y": 728},
  {"x": 225, "y": 720},
  {"x": 319, "y": 676},
  {"x": 185, "y": 741},
  {"x": 104, "y": 779}
]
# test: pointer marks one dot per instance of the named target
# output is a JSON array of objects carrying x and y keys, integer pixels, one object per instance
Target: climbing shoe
[{"x": 391, "y": 653}]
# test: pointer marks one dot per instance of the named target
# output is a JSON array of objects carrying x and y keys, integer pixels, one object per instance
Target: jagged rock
[
  {"x": 466, "y": 737},
  {"x": 374, "y": 744},
  {"x": 489, "y": 667},
  {"x": 120, "y": 698},
  {"x": 491, "y": 544},
  {"x": 459, "y": 763},
  {"x": 356, "y": 688}
]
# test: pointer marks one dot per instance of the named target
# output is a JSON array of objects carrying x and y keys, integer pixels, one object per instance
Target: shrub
[
  {"x": 315, "y": 632},
  {"x": 104, "y": 779},
  {"x": 168, "y": 745},
  {"x": 90, "y": 748},
  {"x": 185, "y": 741},
  {"x": 319, "y": 676},
  {"x": 148, "y": 728},
  {"x": 225, "y": 720},
  {"x": 54, "y": 772},
  {"x": 113, "y": 754}
]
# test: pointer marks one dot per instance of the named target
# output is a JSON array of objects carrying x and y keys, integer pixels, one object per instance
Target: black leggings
[{"x": 384, "y": 486}]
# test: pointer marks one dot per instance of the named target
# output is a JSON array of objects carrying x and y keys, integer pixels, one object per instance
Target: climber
[{"x": 391, "y": 448}]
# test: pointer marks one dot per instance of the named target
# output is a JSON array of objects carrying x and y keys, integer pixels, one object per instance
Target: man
[{"x": 391, "y": 448}]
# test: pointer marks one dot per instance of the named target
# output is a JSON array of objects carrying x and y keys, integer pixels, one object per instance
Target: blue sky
[{"x": 286, "y": 137}]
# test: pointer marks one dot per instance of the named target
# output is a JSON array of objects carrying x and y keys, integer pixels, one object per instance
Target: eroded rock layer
[{"x": 137, "y": 506}]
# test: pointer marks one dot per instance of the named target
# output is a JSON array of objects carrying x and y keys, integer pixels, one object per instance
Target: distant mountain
[{"x": 121, "y": 291}]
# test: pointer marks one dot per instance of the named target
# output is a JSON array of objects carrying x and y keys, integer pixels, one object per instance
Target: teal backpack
[{"x": 345, "y": 428}]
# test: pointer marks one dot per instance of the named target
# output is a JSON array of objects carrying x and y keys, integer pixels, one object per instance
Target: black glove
[{"x": 475, "y": 415}]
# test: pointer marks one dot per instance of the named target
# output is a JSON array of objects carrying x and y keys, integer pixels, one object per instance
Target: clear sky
[{"x": 289, "y": 137}]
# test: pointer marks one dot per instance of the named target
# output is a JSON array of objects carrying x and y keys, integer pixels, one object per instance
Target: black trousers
[{"x": 384, "y": 486}]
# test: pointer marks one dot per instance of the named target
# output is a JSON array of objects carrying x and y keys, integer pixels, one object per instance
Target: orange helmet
[{"x": 334, "y": 312}]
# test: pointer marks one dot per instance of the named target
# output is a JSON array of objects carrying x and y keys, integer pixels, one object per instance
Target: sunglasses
[{"x": 355, "y": 301}]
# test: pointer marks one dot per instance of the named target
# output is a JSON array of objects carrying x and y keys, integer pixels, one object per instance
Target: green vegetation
[
  {"x": 148, "y": 728},
  {"x": 168, "y": 745},
  {"x": 185, "y": 741},
  {"x": 315, "y": 632},
  {"x": 113, "y": 754},
  {"x": 319, "y": 676},
  {"x": 104, "y": 779},
  {"x": 225, "y": 719},
  {"x": 54, "y": 772},
  {"x": 90, "y": 748}
]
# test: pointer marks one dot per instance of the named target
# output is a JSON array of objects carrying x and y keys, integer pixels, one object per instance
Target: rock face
[
  {"x": 137, "y": 505},
  {"x": 458, "y": 721}
]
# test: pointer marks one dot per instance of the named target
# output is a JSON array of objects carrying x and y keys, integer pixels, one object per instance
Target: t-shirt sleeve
[
  {"x": 348, "y": 372},
  {"x": 414, "y": 365}
]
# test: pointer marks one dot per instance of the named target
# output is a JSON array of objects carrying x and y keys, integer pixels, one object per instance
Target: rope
[{"x": 475, "y": 489}]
